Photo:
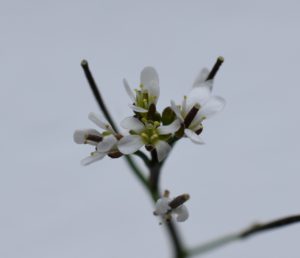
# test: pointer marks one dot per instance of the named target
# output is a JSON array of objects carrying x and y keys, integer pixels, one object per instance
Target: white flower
[
  {"x": 148, "y": 133},
  {"x": 105, "y": 142},
  {"x": 147, "y": 94},
  {"x": 163, "y": 208},
  {"x": 200, "y": 97}
]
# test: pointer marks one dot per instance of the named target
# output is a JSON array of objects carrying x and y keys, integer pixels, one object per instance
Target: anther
[{"x": 166, "y": 194}]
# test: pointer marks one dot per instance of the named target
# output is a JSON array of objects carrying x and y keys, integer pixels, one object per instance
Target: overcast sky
[{"x": 247, "y": 171}]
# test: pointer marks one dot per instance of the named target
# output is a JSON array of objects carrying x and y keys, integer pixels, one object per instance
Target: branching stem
[{"x": 243, "y": 234}]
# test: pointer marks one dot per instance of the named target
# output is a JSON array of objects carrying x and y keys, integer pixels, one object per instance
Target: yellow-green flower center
[
  {"x": 150, "y": 134},
  {"x": 143, "y": 99}
]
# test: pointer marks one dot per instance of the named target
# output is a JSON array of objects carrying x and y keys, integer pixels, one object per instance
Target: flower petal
[
  {"x": 201, "y": 77},
  {"x": 128, "y": 90},
  {"x": 132, "y": 123},
  {"x": 198, "y": 95},
  {"x": 130, "y": 144},
  {"x": 106, "y": 144},
  {"x": 162, "y": 206},
  {"x": 214, "y": 105},
  {"x": 182, "y": 213},
  {"x": 193, "y": 136},
  {"x": 138, "y": 109},
  {"x": 176, "y": 110},
  {"x": 162, "y": 149},
  {"x": 150, "y": 80},
  {"x": 79, "y": 136},
  {"x": 100, "y": 122},
  {"x": 92, "y": 158},
  {"x": 171, "y": 128}
]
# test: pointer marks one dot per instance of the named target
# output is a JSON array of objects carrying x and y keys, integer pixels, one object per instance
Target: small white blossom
[
  {"x": 146, "y": 133},
  {"x": 147, "y": 94},
  {"x": 200, "y": 97},
  {"x": 163, "y": 209},
  {"x": 105, "y": 142}
]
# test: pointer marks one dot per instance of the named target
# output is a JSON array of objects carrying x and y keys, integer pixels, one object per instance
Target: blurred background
[{"x": 248, "y": 171}]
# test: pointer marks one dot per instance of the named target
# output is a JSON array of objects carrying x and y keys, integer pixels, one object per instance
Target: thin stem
[
  {"x": 143, "y": 156},
  {"x": 92, "y": 83},
  {"x": 137, "y": 171},
  {"x": 250, "y": 231},
  {"x": 96, "y": 92},
  {"x": 176, "y": 241},
  {"x": 155, "y": 170},
  {"x": 282, "y": 222}
]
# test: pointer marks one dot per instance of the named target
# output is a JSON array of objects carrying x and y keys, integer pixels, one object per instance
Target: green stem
[
  {"x": 155, "y": 170},
  {"x": 143, "y": 156},
  {"x": 137, "y": 171},
  {"x": 243, "y": 234}
]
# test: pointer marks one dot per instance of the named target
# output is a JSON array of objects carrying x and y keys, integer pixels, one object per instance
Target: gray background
[{"x": 247, "y": 171}]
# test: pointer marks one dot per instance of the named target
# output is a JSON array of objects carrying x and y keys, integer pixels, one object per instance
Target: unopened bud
[{"x": 179, "y": 200}]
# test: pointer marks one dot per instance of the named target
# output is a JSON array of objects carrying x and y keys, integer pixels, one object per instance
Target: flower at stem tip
[
  {"x": 147, "y": 93},
  {"x": 167, "y": 207},
  {"x": 198, "y": 105},
  {"x": 105, "y": 142}
]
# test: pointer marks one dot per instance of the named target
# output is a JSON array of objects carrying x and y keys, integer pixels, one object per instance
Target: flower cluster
[{"x": 149, "y": 128}]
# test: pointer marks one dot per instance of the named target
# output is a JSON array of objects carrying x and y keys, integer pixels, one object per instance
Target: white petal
[
  {"x": 138, "y": 109},
  {"x": 149, "y": 79},
  {"x": 162, "y": 206},
  {"x": 202, "y": 77},
  {"x": 100, "y": 122},
  {"x": 193, "y": 136},
  {"x": 176, "y": 110},
  {"x": 198, "y": 95},
  {"x": 214, "y": 105},
  {"x": 162, "y": 149},
  {"x": 171, "y": 128},
  {"x": 128, "y": 90},
  {"x": 79, "y": 136},
  {"x": 182, "y": 213},
  {"x": 130, "y": 144},
  {"x": 92, "y": 158},
  {"x": 132, "y": 123},
  {"x": 106, "y": 144}
]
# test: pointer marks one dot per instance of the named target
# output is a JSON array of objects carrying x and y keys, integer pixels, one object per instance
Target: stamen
[
  {"x": 166, "y": 194},
  {"x": 154, "y": 137},
  {"x": 156, "y": 124},
  {"x": 145, "y": 137}
]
